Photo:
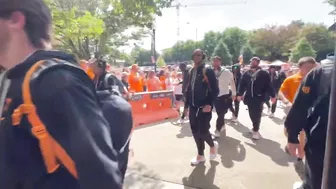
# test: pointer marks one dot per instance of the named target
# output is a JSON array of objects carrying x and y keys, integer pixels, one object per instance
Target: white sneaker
[
  {"x": 268, "y": 110},
  {"x": 297, "y": 185},
  {"x": 256, "y": 135},
  {"x": 251, "y": 131},
  {"x": 215, "y": 134},
  {"x": 180, "y": 121},
  {"x": 194, "y": 160},
  {"x": 214, "y": 155},
  {"x": 271, "y": 115}
]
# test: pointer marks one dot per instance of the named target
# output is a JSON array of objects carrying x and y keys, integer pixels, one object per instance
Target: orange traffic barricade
[{"x": 151, "y": 107}]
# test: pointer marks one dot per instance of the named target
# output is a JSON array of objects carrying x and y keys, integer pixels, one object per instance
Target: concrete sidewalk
[{"x": 162, "y": 155}]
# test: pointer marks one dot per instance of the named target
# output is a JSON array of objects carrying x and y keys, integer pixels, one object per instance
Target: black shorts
[{"x": 179, "y": 97}]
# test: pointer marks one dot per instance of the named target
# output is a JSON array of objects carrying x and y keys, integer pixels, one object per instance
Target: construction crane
[{"x": 178, "y": 7}]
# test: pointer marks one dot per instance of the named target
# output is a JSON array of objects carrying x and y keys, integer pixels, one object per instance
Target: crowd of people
[{"x": 63, "y": 126}]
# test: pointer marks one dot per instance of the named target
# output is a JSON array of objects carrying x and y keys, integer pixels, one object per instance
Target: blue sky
[{"x": 220, "y": 14}]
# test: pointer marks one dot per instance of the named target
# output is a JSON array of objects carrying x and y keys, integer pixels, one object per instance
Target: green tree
[
  {"x": 235, "y": 39},
  {"x": 303, "y": 48},
  {"x": 247, "y": 53},
  {"x": 333, "y": 4},
  {"x": 105, "y": 25},
  {"x": 167, "y": 55},
  {"x": 222, "y": 51},
  {"x": 181, "y": 51},
  {"x": 210, "y": 40},
  {"x": 160, "y": 62},
  {"x": 320, "y": 38},
  {"x": 142, "y": 56}
]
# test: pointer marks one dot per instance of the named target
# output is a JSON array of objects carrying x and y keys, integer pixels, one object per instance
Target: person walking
[
  {"x": 276, "y": 82},
  {"x": 255, "y": 84},
  {"x": 201, "y": 93},
  {"x": 237, "y": 77},
  {"x": 224, "y": 100},
  {"x": 53, "y": 133}
]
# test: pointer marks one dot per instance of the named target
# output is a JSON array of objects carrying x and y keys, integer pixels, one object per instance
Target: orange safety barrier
[{"x": 150, "y": 107}]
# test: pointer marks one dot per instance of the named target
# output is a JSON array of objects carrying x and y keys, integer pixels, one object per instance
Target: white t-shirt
[
  {"x": 226, "y": 82},
  {"x": 169, "y": 84},
  {"x": 177, "y": 87}
]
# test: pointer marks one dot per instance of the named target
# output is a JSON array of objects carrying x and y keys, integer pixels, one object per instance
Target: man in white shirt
[{"x": 225, "y": 96}]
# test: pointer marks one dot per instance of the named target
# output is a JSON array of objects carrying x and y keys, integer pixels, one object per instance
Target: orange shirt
[
  {"x": 153, "y": 84},
  {"x": 163, "y": 83},
  {"x": 291, "y": 85},
  {"x": 135, "y": 84}
]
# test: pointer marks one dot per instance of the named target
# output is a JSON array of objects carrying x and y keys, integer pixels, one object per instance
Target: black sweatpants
[
  {"x": 235, "y": 110},
  {"x": 273, "y": 106},
  {"x": 313, "y": 169},
  {"x": 200, "y": 125},
  {"x": 255, "y": 107},
  {"x": 222, "y": 104}
]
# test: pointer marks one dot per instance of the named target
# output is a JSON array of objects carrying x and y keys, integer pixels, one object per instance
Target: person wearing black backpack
[
  {"x": 53, "y": 134},
  {"x": 256, "y": 85},
  {"x": 104, "y": 80},
  {"x": 201, "y": 93},
  {"x": 310, "y": 112},
  {"x": 112, "y": 94}
]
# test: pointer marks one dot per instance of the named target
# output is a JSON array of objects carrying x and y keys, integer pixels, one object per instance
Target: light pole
[{"x": 153, "y": 45}]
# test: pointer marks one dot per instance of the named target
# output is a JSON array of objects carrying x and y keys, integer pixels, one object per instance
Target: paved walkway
[{"x": 162, "y": 155}]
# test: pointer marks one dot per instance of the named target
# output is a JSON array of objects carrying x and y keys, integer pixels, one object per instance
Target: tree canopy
[
  {"x": 100, "y": 27},
  {"x": 223, "y": 52},
  {"x": 302, "y": 48},
  {"x": 269, "y": 43}
]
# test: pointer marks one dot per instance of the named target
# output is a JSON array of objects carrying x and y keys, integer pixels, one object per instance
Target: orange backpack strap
[
  {"x": 52, "y": 152},
  {"x": 205, "y": 78}
]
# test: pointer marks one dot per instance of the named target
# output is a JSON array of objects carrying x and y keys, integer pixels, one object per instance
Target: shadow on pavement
[
  {"x": 278, "y": 121},
  {"x": 272, "y": 149},
  {"x": 139, "y": 176},
  {"x": 185, "y": 131},
  {"x": 231, "y": 150},
  {"x": 240, "y": 128},
  {"x": 299, "y": 169},
  {"x": 201, "y": 179}
]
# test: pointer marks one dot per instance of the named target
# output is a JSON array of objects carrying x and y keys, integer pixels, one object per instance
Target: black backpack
[{"x": 118, "y": 112}]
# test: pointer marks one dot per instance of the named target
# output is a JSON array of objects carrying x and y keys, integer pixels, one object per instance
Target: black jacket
[
  {"x": 307, "y": 112},
  {"x": 256, "y": 84},
  {"x": 200, "y": 92},
  {"x": 118, "y": 112},
  {"x": 185, "y": 80},
  {"x": 276, "y": 80},
  {"x": 310, "y": 111},
  {"x": 67, "y": 105},
  {"x": 237, "y": 75},
  {"x": 106, "y": 82}
]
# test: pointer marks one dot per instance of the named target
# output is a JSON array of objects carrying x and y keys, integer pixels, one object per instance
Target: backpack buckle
[{"x": 39, "y": 132}]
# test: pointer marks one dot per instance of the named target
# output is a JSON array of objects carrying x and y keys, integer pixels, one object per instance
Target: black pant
[
  {"x": 200, "y": 125},
  {"x": 273, "y": 106},
  {"x": 222, "y": 104},
  {"x": 313, "y": 169},
  {"x": 255, "y": 107},
  {"x": 235, "y": 110}
]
